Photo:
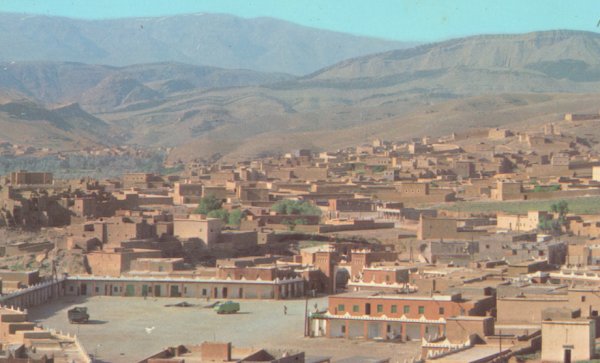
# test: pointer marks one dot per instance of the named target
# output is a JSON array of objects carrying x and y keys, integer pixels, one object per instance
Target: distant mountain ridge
[
  {"x": 219, "y": 40},
  {"x": 514, "y": 51},
  {"x": 106, "y": 88},
  {"x": 480, "y": 81},
  {"x": 64, "y": 127}
]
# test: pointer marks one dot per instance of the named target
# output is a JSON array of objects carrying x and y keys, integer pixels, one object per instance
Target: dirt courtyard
[{"x": 117, "y": 328}]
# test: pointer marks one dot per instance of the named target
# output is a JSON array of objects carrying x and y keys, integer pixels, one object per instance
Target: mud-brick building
[
  {"x": 24, "y": 177},
  {"x": 377, "y": 315},
  {"x": 566, "y": 340},
  {"x": 191, "y": 287}
]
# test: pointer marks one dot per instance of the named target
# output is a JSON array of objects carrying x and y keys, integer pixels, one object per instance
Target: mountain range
[
  {"x": 218, "y": 40},
  {"x": 478, "y": 81},
  {"x": 106, "y": 88},
  {"x": 62, "y": 128}
]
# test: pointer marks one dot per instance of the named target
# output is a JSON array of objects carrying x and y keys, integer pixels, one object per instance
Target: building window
[
  {"x": 355, "y": 308},
  {"x": 406, "y": 309},
  {"x": 421, "y": 310},
  {"x": 441, "y": 311},
  {"x": 341, "y": 307},
  {"x": 583, "y": 299},
  {"x": 115, "y": 289},
  {"x": 203, "y": 292},
  {"x": 343, "y": 329},
  {"x": 394, "y": 309},
  {"x": 379, "y": 308},
  {"x": 97, "y": 289}
]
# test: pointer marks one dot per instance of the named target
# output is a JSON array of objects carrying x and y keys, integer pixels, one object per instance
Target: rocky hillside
[
  {"x": 550, "y": 61},
  {"x": 520, "y": 51},
  {"x": 449, "y": 86},
  {"x": 106, "y": 88},
  {"x": 28, "y": 123}
]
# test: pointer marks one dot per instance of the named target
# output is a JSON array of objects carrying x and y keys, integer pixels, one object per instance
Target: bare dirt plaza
[{"x": 117, "y": 328}]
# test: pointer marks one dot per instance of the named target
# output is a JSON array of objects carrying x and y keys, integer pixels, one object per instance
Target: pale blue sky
[{"x": 412, "y": 20}]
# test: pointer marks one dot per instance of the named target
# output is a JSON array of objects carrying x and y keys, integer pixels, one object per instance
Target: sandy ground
[{"x": 117, "y": 330}]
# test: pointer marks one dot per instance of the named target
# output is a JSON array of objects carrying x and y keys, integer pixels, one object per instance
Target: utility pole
[
  {"x": 500, "y": 333},
  {"x": 54, "y": 271},
  {"x": 306, "y": 326}
]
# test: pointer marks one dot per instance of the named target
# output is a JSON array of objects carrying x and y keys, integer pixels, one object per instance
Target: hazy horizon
[{"x": 411, "y": 21}]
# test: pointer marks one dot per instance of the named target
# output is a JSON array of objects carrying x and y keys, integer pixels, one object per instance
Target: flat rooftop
[
  {"x": 385, "y": 295},
  {"x": 473, "y": 354}
]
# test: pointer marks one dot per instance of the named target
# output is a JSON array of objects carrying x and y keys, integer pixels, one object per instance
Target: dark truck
[{"x": 78, "y": 314}]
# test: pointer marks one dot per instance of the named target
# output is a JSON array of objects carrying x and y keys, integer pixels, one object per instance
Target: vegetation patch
[{"x": 580, "y": 205}]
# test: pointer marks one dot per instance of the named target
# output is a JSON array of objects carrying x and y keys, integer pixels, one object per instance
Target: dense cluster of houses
[{"x": 479, "y": 286}]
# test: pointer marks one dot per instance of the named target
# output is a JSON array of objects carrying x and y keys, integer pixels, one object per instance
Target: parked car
[
  {"x": 78, "y": 314},
  {"x": 227, "y": 307}
]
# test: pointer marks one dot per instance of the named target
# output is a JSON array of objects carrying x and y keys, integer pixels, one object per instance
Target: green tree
[
  {"x": 561, "y": 208},
  {"x": 290, "y": 224},
  {"x": 296, "y": 207},
  {"x": 547, "y": 225},
  {"x": 555, "y": 226},
  {"x": 235, "y": 217},
  {"x": 222, "y": 214},
  {"x": 546, "y": 188},
  {"x": 208, "y": 204},
  {"x": 300, "y": 221}
]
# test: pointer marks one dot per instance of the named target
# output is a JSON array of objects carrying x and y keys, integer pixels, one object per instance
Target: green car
[{"x": 228, "y": 307}]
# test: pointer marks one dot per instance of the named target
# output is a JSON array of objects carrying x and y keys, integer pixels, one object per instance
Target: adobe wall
[
  {"x": 385, "y": 276},
  {"x": 216, "y": 351},
  {"x": 432, "y": 310},
  {"x": 576, "y": 334},
  {"x": 311, "y": 173},
  {"x": 34, "y": 295},
  {"x": 459, "y": 329},
  {"x": 178, "y": 287},
  {"x": 526, "y": 310}
]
